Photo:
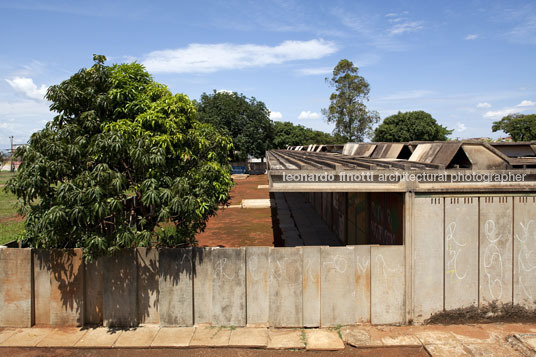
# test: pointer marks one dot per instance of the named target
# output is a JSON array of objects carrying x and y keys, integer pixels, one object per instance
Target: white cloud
[
  {"x": 471, "y": 36},
  {"x": 27, "y": 87},
  {"x": 461, "y": 127},
  {"x": 308, "y": 115},
  {"x": 315, "y": 71},
  {"x": 408, "y": 26},
  {"x": 527, "y": 103},
  {"x": 498, "y": 114},
  {"x": 483, "y": 105},
  {"x": 224, "y": 91},
  {"x": 275, "y": 115},
  {"x": 206, "y": 58},
  {"x": 405, "y": 95}
]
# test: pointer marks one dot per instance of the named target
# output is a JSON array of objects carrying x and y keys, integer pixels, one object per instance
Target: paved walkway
[
  {"x": 459, "y": 340},
  {"x": 300, "y": 224}
]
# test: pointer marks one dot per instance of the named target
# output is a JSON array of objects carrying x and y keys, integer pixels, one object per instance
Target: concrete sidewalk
[{"x": 460, "y": 340}]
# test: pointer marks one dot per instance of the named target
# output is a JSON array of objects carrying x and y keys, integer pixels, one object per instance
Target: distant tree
[
  {"x": 289, "y": 134},
  {"x": 520, "y": 127},
  {"x": 245, "y": 120},
  {"x": 411, "y": 126},
  {"x": 353, "y": 121},
  {"x": 124, "y": 163}
]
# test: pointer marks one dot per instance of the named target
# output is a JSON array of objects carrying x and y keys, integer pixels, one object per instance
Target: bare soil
[{"x": 241, "y": 227}]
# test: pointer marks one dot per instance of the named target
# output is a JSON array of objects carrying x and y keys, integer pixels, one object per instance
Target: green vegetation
[
  {"x": 10, "y": 225},
  {"x": 520, "y": 127},
  {"x": 410, "y": 126},
  {"x": 286, "y": 133},
  {"x": 246, "y": 120},
  {"x": 123, "y": 157},
  {"x": 353, "y": 121}
]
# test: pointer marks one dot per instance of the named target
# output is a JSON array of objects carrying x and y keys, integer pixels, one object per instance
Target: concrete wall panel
[
  {"x": 524, "y": 251},
  {"x": 66, "y": 288},
  {"x": 495, "y": 249},
  {"x": 286, "y": 287},
  {"x": 362, "y": 283},
  {"x": 257, "y": 278},
  {"x": 229, "y": 287},
  {"x": 388, "y": 285},
  {"x": 148, "y": 289},
  {"x": 202, "y": 285},
  {"x": 120, "y": 289},
  {"x": 41, "y": 281},
  {"x": 311, "y": 286},
  {"x": 428, "y": 247},
  {"x": 175, "y": 276},
  {"x": 337, "y": 286},
  {"x": 94, "y": 287},
  {"x": 15, "y": 287},
  {"x": 461, "y": 252}
]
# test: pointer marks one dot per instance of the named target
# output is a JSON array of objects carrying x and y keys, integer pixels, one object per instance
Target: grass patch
[
  {"x": 10, "y": 225},
  {"x": 9, "y": 231},
  {"x": 8, "y": 205},
  {"x": 4, "y": 176}
]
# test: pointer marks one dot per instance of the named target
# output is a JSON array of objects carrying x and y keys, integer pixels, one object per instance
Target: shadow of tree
[{"x": 118, "y": 291}]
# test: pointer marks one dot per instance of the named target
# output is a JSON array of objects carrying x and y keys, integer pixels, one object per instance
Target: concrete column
[
  {"x": 176, "y": 286},
  {"x": 229, "y": 287},
  {"x": 41, "y": 285},
  {"x": 148, "y": 289},
  {"x": 428, "y": 250},
  {"x": 58, "y": 287},
  {"x": 461, "y": 252},
  {"x": 524, "y": 248},
  {"x": 94, "y": 291},
  {"x": 337, "y": 286},
  {"x": 202, "y": 285},
  {"x": 388, "y": 285},
  {"x": 311, "y": 286},
  {"x": 257, "y": 279},
  {"x": 66, "y": 288},
  {"x": 495, "y": 250},
  {"x": 120, "y": 290},
  {"x": 15, "y": 287},
  {"x": 362, "y": 283},
  {"x": 286, "y": 287}
]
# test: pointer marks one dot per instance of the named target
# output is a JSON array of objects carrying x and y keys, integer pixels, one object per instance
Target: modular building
[{"x": 463, "y": 211}]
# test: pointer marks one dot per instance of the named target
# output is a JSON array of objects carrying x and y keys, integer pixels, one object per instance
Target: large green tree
[
  {"x": 520, "y": 127},
  {"x": 410, "y": 126},
  {"x": 246, "y": 120},
  {"x": 288, "y": 134},
  {"x": 124, "y": 163},
  {"x": 353, "y": 121}
]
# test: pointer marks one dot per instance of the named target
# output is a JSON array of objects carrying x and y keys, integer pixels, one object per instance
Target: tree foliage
[
  {"x": 520, "y": 127},
  {"x": 244, "y": 119},
  {"x": 410, "y": 126},
  {"x": 353, "y": 121},
  {"x": 124, "y": 163},
  {"x": 288, "y": 134}
]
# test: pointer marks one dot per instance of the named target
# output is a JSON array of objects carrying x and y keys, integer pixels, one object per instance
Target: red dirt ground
[{"x": 238, "y": 227}]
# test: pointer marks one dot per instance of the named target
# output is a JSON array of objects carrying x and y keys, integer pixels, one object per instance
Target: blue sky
[{"x": 467, "y": 63}]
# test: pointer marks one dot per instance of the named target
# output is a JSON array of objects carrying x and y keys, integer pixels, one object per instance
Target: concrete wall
[
  {"x": 462, "y": 252},
  {"x": 255, "y": 286},
  {"x": 459, "y": 252}
]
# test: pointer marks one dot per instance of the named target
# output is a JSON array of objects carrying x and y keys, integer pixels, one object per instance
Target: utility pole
[{"x": 11, "y": 155}]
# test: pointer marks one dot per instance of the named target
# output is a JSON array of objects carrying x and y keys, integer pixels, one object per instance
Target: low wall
[
  {"x": 254, "y": 286},
  {"x": 472, "y": 251}
]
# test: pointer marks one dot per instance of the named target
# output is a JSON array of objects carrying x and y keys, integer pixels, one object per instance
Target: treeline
[{"x": 247, "y": 122}]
